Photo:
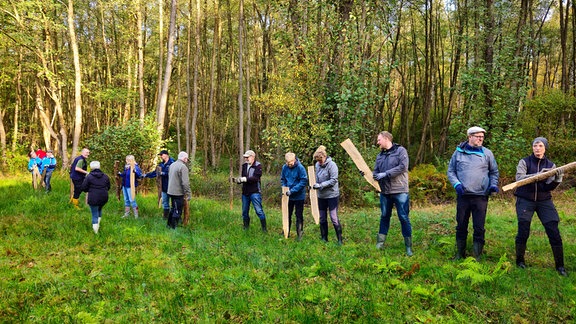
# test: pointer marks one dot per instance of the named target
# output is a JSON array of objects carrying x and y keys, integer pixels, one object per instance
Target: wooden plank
[
  {"x": 43, "y": 177},
  {"x": 186, "y": 212},
  {"x": 285, "y": 223},
  {"x": 159, "y": 185},
  {"x": 35, "y": 176},
  {"x": 231, "y": 189},
  {"x": 360, "y": 163},
  {"x": 539, "y": 176},
  {"x": 313, "y": 195},
  {"x": 118, "y": 179},
  {"x": 132, "y": 180}
]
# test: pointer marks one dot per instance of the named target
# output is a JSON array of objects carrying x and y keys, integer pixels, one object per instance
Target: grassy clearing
[{"x": 54, "y": 269}]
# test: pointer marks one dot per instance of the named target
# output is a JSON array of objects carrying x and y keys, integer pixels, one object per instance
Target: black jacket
[{"x": 96, "y": 184}]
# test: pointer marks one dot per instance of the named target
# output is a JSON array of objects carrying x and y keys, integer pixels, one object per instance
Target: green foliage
[
  {"x": 548, "y": 115},
  {"x": 479, "y": 273},
  {"x": 428, "y": 185},
  {"x": 116, "y": 142}
]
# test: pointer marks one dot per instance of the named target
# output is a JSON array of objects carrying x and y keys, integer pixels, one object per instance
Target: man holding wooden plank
[
  {"x": 328, "y": 193},
  {"x": 294, "y": 177},
  {"x": 162, "y": 173},
  {"x": 537, "y": 197},
  {"x": 474, "y": 175},
  {"x": 391, "y": 172},
  {"x": 178, "y": 188}
]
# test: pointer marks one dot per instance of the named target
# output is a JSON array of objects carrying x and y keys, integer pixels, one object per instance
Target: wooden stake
[
  {"x": 285, "y": 220},
  {"x": 159, "y": 185},
  {"x": 186, "y": 212},
  {"x": 539, "y": 176},
  {"x": 313, "y": 195},
  {"x": 132, "y": 180},
  {"x": 360, "y": 163},
  {"x": 118, "y": 179}
]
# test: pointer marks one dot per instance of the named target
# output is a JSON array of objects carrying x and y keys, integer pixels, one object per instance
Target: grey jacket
[
  {"x": 474, "y": 168},
  {"x": 178, "y": 179},
  {"x": 395, "y": 163},
  {"x": 327, "y": 177}
]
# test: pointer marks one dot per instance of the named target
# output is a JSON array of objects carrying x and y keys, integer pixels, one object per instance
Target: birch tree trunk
[
  {"x": 240, "y": 83},
  {"x": 212, "y": 98},
  {"x": 77, "y": 80},
  {"x": 197, "y": 54},
  {"x": 168, "y": 71}
]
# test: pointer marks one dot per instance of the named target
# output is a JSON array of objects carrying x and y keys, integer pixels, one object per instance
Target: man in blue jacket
[
  {"x": 473, "y": 173},
  {"x": 164, "y": 167},
  {"x": 295, "y": 178}
]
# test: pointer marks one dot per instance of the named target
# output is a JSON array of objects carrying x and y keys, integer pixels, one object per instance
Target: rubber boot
[
  {"x": 166, "y": 213},
  {"x": 75, "y": 202},
  {"x": 380, "y": 240},
  {"x": 95, "y": 227},
  {"x": 246, "y": 223},
  {"x": 324, "y": 231},
  {"x": 477, "y": 248},
  {"x": 299, "y": 230},
  {"x": 408, "y": 244},
  {"x": 135, "y": 212},
  {"x": 174, "y": 223},
  {"x": 558, "y": 252},
  {"x": 338, "y": 229},
  {"x": 126, "y": 212},
  {"x": 520, "y": 251},
  {"x": 263, "y": 224},
  {"x": 460, "y": 249}
]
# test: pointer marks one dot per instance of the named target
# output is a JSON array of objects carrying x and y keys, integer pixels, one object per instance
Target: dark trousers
[
  {"x": 299, "y": 206},
  {"x": 77, "y": 188},
  {"x": 547, "y": 214},
  {"x": 176, "y": 210},
  {"x": 476, "y": 206}
]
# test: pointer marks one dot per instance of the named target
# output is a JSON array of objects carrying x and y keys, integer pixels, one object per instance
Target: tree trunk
[
  {"x": 77, "y": 80},
  {"x": 140, "y": 42},
  {"x": 168, "y": 71},
  {"x": 240, "y": 83},
  {"x": 197, "y": 55},
  {"x": 212, "y": 101}
]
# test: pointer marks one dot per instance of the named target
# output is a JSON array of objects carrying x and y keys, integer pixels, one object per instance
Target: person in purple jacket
[
  {"x": 96, "y": 185},
  {"x": 251, "y": 194},
  {"x": 295, "y": 178}
]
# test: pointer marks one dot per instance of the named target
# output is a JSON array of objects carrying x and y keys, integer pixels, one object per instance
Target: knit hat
[
  {"x": 475, "y": 129},
  {"x": 542, "y": 140}
]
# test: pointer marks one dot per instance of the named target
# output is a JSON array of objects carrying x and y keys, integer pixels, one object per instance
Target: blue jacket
[
  {"x": 36, "y": 161},
  {"x": 394, "y": 162},
  {"x": 164, "y": 167},
  {"x": 295, "y": 179},
  {"x": 126, "y": 175},
  {"x": 49, "y": 164},
  {"x": 474, "y": 168},
  {"x": 74, "y": 175}
]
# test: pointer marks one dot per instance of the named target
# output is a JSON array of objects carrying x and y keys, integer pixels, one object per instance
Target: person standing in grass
[
  {"x": 96, "y": 185},
  {"x": 178, "y": 188},
  {"x": 34, "y": 161},
  {"x": 537, "y": 197},
  {"x": 391, "y": 172},
  {"x": 130, "y": 201},
  {"x": 473, "y": 173},
  {"x": 164, "y": 167},
  {"x": 78, "y": 171},
  {"x": 295, "y": 178},
  {"x": 251, "y": 194},
  {"x": 48, "y": 164},
  {"x": 328, "y": 192}
]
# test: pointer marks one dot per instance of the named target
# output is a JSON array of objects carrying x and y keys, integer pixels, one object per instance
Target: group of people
[
  {"x": 472, "y": 171},
  {"x": 42, "y": 164},
  {"x": 175, "y": 185}
]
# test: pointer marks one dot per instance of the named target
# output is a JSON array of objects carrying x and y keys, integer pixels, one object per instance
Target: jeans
[
  {"x": 47, "y": 179},
  {"x": 128, "y": 201},
  {"x": 256, "y": 200},
  {"x": 165, "y": 201},
  {"x": 96, "y": 213},
  {"x": 402, "y": 202}
]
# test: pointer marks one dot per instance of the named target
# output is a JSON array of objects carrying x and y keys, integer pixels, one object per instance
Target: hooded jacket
[
  {"x": 327, "y": 177},
  {"x": 394, "y": 162},
  {"x": 96, "y": 184},
  {"x": 253, "y": 173},
  {"x": 474, "y": 168},
  {"x": 296, "y": 179}
]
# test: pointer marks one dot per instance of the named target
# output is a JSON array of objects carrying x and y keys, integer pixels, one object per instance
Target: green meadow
[{"x": 54, "y": 269}]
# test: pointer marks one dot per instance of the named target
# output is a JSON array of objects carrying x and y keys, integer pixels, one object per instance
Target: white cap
[
  {"x": 475, "y": 129},
  {"x": 249, "y": 153}
]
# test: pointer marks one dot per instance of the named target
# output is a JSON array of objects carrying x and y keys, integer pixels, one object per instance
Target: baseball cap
[
  {"x": 163, "y": 152},
  {"x": 249, "y": 153}
]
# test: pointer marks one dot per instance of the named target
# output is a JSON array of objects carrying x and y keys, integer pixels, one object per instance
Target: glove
[
  {"x": 559, "y": 175},
  {"x": 119, "y": 174},
  {"x": 188, "y": 197},
  {"x": 361, "y": 172},
  {"x": 494, "y": 189},
  {"x": 242, "y": 179},
  {"x": 317, "y": 186},
  {"x": 379, "y": 176},
  {"x": 162, "y": 173},
  {"x": 459, "y": 189},
  {"x": 288, "y": 193}
]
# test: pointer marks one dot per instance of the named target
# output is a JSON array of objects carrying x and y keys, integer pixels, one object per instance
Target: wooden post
[
  {"x": 231, "y": 192},
  {"x": 539, "y": 176},
  {"x": 186, "y": 212},
  {"x": 132, "y": 180},
  {"x": 285, "y": 220},
  {"x": 313, "y": 195},
  {"x": 360, "y": 163},
  {"x": 118, "y": 179},
  {"x": 35, "y": 176},
  {"x": 159, "y": 185},
  {"x": 43, "y": 177}
]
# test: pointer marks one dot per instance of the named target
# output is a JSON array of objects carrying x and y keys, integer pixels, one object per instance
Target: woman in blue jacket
[{"x": 125, "y": 175}]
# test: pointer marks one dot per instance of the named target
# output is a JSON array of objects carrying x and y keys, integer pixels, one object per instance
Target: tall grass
[{"x": 54, "y": 269}]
